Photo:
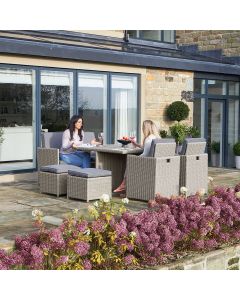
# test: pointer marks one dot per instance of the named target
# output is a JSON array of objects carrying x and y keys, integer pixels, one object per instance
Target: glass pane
[
  {"x": 92, "y": 102},
  {"x": 198, "y": 114},
  {"x": 17, "y": 119},
  {"x": 133, "y": 33},
  {"x": 215, "y": 133},
  {"x": 217, "y": 87},
  {"x": 233, "y": 113},
  {"x": 56, "y": 100},
  {"x": 234, "y": 88},
  {"x": 154, "y": 35},
  {"x": 168, "y": 36},
  {"x": 199, "y": 86},
  {"x": 124, "y": 106}
]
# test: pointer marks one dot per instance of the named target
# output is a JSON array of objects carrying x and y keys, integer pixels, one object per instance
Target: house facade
[{"x": 115, "y": 79}]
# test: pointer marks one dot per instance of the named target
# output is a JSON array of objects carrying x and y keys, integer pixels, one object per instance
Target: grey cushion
[
  {"x": 193, "y": 146},
  {"x": 161, "y": 141},
  {"x": 59, "y": 169},
  {"x": 90, "y": 173},
  {"x": 52, "y": 139}
]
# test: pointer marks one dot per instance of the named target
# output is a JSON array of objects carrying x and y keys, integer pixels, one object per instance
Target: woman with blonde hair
[{"x": 150, "y": 132}]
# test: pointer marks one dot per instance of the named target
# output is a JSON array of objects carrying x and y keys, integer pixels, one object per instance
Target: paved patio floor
[{"x": 17, "y": 200}]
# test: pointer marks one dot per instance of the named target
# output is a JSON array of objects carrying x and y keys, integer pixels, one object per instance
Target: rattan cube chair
[
  {"x": 53, "y": 179},
  {"x": 194, "y": 165},
  {"x": 48, "y": 154},
  {"x": 158, "y": 173},
  {"x": 89, "y": 183}
]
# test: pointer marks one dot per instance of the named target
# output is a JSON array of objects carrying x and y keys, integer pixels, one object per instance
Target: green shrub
[
  {"x": 236, "y": 149},
  {"x": 178, "y": 111},
  {"x": 179, "y": 132},
  {"x": 215, "y": 146},
  {"x": 163, "y": 134},
  {"x": 193, "y": 132}
]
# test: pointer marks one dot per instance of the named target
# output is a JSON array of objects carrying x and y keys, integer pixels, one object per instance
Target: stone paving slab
[
  {"x": 40, "y": 202},
  {"x": 6, "y": 244},
  {"x": 52, "y": 220}
]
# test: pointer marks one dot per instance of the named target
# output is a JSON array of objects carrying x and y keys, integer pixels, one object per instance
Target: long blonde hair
[{"x": 148, "y": 128}]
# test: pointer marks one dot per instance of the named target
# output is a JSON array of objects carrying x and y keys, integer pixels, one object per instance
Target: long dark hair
[{"x": 71, "y": 126}]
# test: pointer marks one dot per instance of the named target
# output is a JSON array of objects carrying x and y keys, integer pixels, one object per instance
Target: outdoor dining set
[{"x": 163, "y": 171}]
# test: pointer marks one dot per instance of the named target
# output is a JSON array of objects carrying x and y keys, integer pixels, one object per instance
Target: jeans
[{"x": 78, "y": 158}]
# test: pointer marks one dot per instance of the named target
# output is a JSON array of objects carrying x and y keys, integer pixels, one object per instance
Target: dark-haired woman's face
[{"x": 78, "y": 124}]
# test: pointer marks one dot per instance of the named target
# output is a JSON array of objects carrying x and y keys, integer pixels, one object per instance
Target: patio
[{"x": 17, "y": 200}]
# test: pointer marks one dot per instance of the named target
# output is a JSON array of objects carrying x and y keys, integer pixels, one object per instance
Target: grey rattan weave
[
  {"x": 194, "y": 173},
  {"x": 53, "y": 183},
  {"x": 47, "y": 156},
  {"x": 147, "y": 176},
  {"x": 88, "y": 188}
]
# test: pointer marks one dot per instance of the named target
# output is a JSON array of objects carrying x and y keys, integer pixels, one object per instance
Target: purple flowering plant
[{"x": 116, "y": 238}]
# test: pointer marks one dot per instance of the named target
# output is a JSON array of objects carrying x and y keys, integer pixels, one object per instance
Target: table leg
[{"x": 113, "y": 162}]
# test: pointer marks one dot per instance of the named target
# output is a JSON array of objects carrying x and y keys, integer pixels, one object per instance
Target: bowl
[{"x": 124, "y": 142}]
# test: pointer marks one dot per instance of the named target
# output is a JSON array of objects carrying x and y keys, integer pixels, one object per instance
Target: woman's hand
[
  {"x": 94, "y": 142},
  {"x": 133, "y": 141},
  {"x": 74, "y": 146}
]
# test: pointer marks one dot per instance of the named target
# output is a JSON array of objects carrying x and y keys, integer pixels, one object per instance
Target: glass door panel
[
  {"x": 56, "y": 100},
  {"x": 215, "y": 133},
  {"x": 92, "y": 102},
  {"x": 17, "y": 119},
  {"x": 233, "y": 119},
  {"x": 124, "y": 106}
]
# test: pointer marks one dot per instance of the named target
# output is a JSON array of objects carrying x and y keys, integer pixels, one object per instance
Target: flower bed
[{"x": 119, "y": 239}]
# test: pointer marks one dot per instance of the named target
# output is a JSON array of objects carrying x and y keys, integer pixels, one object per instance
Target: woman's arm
[
  {"x": 66, "y": 143},
  {"x": 147, "y": 146}
]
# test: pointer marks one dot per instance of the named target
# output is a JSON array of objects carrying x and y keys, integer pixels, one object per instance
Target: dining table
[{"x": 112, "y": 157}]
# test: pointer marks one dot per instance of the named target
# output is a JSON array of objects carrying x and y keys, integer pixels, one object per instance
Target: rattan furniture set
[{"x": 162, "y": 172}]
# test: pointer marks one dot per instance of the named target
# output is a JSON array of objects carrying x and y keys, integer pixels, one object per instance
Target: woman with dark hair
[{"x": 73, "y": 138}]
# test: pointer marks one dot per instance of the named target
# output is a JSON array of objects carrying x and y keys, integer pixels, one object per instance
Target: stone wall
[
  {"x": 163, "y": 87},
  {"x": 227, "y": 40},
  {"x": 227, "y": 258}
]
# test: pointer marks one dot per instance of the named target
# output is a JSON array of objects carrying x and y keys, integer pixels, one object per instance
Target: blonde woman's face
[{"x": 78, "y": 124}]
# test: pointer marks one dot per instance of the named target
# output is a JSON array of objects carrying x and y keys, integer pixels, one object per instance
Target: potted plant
[
  {"x": 215, "y": 155},
  {"x": 177, "y": 111},
  {"x": 236, "y": 151},
  {"x": 179, "y": 133}
]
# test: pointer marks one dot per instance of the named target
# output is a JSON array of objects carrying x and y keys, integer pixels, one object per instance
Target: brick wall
[
  {"x": 227, "y": 40},
  {"x": 163, "y": 87}
]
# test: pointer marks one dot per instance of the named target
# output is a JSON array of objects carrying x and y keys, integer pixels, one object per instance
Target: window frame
[{"x": 139, "y": 36}]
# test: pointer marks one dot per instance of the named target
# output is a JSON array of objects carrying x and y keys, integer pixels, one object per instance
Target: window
[
  {"x": 113, "y": 114},
  {"x": 17, "y": 118},
  {"x": 124, "y": 106},
  {"x": 166, "y": 36},
  {"x": 217, "y": 87},
  {"x": 56, "y": 100},
  {"x": 92, "y": 101}
]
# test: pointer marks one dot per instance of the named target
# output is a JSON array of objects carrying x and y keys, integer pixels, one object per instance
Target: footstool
[
  {"x": 53, "y": 179},
  {"x": 89, "y": 183}
]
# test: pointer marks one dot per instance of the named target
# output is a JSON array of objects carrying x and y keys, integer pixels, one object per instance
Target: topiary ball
[{"x": 178, "y": 111}]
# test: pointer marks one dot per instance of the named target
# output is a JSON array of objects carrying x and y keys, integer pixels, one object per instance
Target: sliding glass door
[
  {"x": 17, "y": 119},
  {"x": 123, "y": 106},
  {"x": 108, "y": 104}
]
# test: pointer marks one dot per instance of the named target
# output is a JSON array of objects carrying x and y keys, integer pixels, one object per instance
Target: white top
[
  {"x": 147, "y": 144},
  {"x": 67, "y": 142}
]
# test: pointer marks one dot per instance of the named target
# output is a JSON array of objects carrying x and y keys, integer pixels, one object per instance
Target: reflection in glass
[
  {"x": 199, "y": 86},
  {"x": 233, "y": 118},
  {"x": 17, "y": 118},
  {"x": 168, "y": 36},
  {"x": 124, "y": 106},
  {"x": 215, "y": 133},
  {"x": 92, "y": 102},
  {"x": 217, "y": 87},
  {"x": 233, "y": 88},
  {"x": 56, "y": 100},
  {"x": 198, "y": 114}
]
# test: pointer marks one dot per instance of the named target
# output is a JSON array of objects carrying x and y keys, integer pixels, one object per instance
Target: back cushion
[
  {"x": 192, "y": 146},
  {"x": 52, "y": 139},
  {"x": 162, "y": 148}
]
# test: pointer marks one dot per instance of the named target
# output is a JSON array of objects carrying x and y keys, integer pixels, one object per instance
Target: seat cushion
[
  {"x": 90, "y": 173},
  {"x": 59, "y": 169}
]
